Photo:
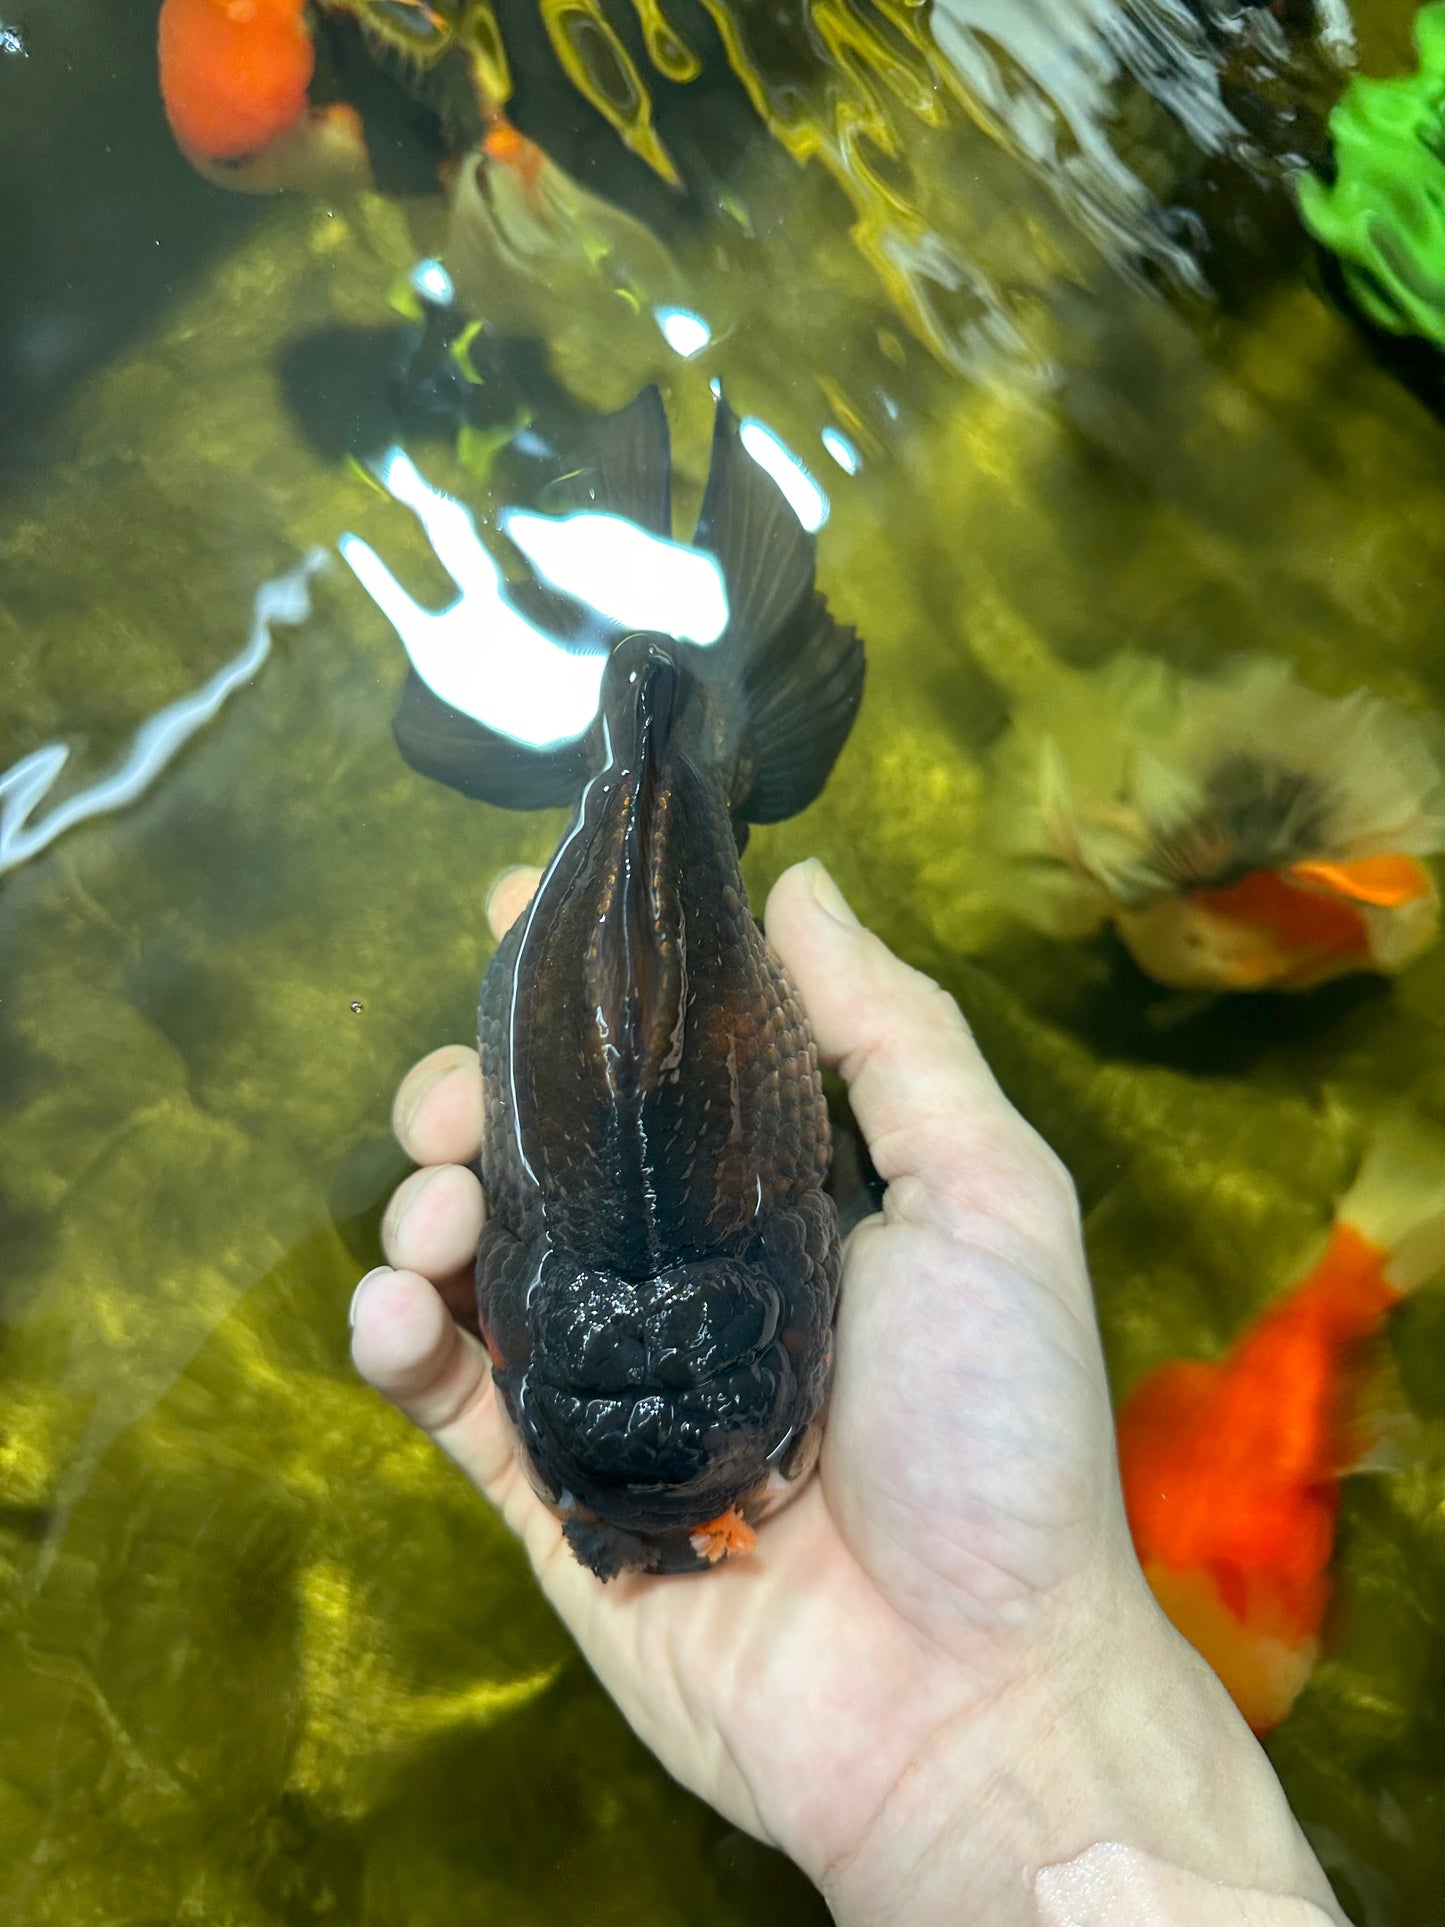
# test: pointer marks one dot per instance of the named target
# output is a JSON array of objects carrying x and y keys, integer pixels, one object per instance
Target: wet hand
[{"x": 941, "y": 1669}]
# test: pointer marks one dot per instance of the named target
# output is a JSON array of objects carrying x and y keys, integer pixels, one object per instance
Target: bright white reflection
[
  {"x": 430, "y": 280},
  {"x": 634, "y": 578},
  {"x": 480, "y": 654},
  {"x": 844, "y": 453},
  {"x": 686, "y": 333},
  {"x": 805, "y": 498},
  {"x": 26, "y": 784}
]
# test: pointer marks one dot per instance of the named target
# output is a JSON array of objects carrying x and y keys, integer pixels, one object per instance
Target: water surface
[{"x": 268, "y": 1658}]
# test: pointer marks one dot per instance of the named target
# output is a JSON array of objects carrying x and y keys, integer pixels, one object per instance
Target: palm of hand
[{"x": 966, "y": 1500}]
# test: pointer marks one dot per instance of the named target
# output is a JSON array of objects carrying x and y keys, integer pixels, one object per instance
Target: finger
[
  {"x": 405, "y": 1343},
  {"x": 434, "y": 1220},
  {"x": 509, "y": 896},
  {"x": 940, "y": 1131},
  {"x": 437, "y": 1115}
]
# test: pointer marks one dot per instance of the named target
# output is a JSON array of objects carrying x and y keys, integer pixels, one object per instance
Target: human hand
[{"x": 941, "y": 1669}]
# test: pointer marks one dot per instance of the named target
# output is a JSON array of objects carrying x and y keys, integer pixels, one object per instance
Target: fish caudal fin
[
  {"x": 1397, "y": 1201},
  {"x": 738, "y": 606},
  {"x": 452, "y": 748},
  {"x": 796, "y": 675},
  {"x": 621, "y": 465}
]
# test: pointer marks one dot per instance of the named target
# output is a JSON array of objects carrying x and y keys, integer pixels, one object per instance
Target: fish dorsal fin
[
  {"x": 442, "y": 743},
  {"x": 621, "y": 465},
  {"x": 765, "y": 553},
  {"x": 796, "y": 674}
]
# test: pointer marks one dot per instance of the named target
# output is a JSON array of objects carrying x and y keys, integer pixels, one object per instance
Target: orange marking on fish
[
  {"x": 1300, "y": 919},
  {"x": 1231, "y": 1475},
  {"x": 729, "y": 1533},
  {"x": 505, "y": 145},
  {"x": 234, "y": 73},
  {"x": 1387, "y": 881}
]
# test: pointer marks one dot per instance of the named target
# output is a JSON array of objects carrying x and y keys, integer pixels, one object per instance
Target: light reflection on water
[{"x": 929, "y": 256}]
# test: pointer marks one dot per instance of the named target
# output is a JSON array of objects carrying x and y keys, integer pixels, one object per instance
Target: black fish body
[{"x": 658, "y": 1274}]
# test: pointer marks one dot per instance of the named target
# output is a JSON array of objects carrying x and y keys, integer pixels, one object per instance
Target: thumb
[{"x": 940, "y": 1131}]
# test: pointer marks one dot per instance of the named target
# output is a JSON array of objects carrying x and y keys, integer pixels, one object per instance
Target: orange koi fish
[
  {"x": 1239, "y": 831},
  {"x": 1231, "y": 1470}
]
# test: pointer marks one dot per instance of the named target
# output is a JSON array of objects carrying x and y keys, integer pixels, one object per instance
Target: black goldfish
[{"x": 658, "y": 1273}]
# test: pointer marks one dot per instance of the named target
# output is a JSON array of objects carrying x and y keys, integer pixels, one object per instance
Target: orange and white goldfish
[
  {"x": 527, "y": 248},
  {"x": 1231, "y": 1469},
  {"x": 235, "y": 81},
  {"x": 1240, "y": 832}
]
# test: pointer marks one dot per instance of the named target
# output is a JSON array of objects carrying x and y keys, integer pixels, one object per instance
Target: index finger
[{"x": 437, "y": 1112}]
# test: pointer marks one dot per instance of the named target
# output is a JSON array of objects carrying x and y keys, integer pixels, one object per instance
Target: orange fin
[
  {"x": 1387, "y": 881},
  {"x": 728, "y": 1533}
]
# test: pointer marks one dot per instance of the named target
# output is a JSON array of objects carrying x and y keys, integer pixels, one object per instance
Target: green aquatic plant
[{"x": 1384, "y": 214}]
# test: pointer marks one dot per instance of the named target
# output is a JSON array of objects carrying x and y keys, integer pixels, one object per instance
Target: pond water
[{"x": 1022, "y": 285}]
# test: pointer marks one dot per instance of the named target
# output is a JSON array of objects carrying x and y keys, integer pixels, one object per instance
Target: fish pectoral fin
[{"x": 450, "y": 747}]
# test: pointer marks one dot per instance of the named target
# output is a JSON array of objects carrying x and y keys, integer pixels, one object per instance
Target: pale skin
[{"x": 941, "y": 1671}]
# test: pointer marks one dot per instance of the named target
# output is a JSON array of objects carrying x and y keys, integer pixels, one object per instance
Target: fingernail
[
  {"x": 408, "y": 1193},
  {"x": 402, "y": 1120},
  {"x": 828, "y": 896},
  {"x": 377, "y": 1271}
]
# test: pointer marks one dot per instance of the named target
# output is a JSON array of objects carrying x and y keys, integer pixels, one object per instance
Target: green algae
[
  {"x": 268, "y": 1658},
  {"x": 1383, "y": 214}
]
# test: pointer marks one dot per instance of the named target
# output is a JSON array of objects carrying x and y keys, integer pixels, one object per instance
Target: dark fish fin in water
[
  {"x": 440, "y": 742},
  {"x": 765, "y": 553},
  {"x": 620, "y": 465},
  {"x": 574, "y": 625},
  {"x": 801, "y": 693},
  {"x": 798, "y": 673}
]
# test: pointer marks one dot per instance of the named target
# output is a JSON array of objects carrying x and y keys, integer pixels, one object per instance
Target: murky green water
[{"x": 267, "y": 1658}]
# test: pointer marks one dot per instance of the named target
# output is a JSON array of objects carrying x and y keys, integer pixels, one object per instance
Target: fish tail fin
[
  {"x": 620, "y": 465},
  {"x": 793, "y": 677},
  {"x": 1397, "y": 1201}
]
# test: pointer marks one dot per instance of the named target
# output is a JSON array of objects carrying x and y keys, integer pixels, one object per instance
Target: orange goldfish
[
  {"x": 1231, "y": 1470},
  {"x": 235, "y": 81},
  {"x": 1240, "y": 832},
  {"x": 234, "y": 73}
]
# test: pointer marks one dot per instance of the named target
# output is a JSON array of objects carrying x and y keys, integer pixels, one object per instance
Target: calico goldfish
[
  {"x": 1240, "y": 832},
  {"x": 657, "y": 1276},
  {"x": 528, "y": 249},
  {"x": 1232, "y": 1469}
]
